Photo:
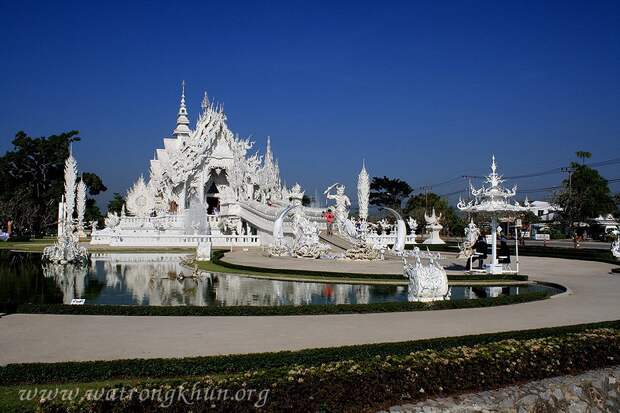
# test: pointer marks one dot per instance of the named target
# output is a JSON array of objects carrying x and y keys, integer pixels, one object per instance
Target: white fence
[
  {"x": 389, "y": 239},
  {"x": 154, "y": 240}
]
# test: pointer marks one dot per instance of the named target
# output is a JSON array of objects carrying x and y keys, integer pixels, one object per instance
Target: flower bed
[{"x": 374, "y": 382}]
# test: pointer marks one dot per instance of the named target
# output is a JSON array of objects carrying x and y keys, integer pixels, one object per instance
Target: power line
[{"x": 530, "y": 175}]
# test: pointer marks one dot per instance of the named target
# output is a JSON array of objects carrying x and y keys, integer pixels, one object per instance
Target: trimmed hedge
[
  {"x": 88, "y": 371},
  {"x": 219, "y": 254},
  {"x": 582, "y": 254},
  {"x": 282, "y": 310},
  {"x": 356, "y": 385}
]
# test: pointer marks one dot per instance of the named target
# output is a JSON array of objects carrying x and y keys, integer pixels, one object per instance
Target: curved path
[{"x": 595, "y": 296}]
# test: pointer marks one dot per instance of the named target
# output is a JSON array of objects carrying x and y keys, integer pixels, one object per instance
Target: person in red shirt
[{"x": 329, "y": 217}]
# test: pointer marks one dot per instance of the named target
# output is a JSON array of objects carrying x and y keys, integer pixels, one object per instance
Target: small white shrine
[{"x": 433, "y": 227}]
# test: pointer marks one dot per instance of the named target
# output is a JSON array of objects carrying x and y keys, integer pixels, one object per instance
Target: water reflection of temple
[{"x": 156, "y": 279}]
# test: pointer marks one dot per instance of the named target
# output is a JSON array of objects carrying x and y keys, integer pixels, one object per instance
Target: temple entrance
[{"x": 213, "y": 200}]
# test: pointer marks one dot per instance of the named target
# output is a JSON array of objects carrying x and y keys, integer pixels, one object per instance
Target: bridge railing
[{"x": 156, "y": 240}]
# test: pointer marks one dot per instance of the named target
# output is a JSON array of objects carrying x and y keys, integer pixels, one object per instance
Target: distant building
[{"x": 545, "y": 211}]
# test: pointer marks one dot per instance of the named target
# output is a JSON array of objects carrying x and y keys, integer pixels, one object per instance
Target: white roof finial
[{"x": 182, "y": 127}]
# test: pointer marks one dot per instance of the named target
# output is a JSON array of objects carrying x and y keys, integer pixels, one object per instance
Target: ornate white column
[{"x": 363, "y": 192}]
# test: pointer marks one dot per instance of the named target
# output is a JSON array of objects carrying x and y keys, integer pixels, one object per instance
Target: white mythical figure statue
[
  {"x": 472, "y": 232},
  {"x": 67, "y": 248},
  {"x": 306, "y": 243},
  {"x": 342, "y": 205},
  {"x": 426, "y": 282},
  {"x": 433, "y": 227}
]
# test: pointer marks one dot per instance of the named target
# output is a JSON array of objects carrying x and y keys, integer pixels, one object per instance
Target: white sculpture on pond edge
[
  {"x": 426, "y": 282},
  {"x": 67, "y": 248},
  {"x": 203, "y": 251},
  {"x": 342, "y": 205},
  {"x": 433, "y": 227},
  {"x": 306, "y": 243}
]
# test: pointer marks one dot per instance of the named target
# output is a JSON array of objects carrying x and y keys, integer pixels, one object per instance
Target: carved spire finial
[{"x": 182, "y": 127}]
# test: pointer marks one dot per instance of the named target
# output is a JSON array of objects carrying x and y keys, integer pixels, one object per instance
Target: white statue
[
  {"x": 472, "y": 232},
  {"x": 81, "y": 207},
  {"x": 363, "y": 192},
  {"x": 433, "y": 227},
  {"x": 67, "y": 248},
  {"x": 203, "y": 251},
  {"x": 111, "y": 220},
  {"x": 413, "y": 225},
  {"x": 401, "y": 232},
  {"x": 342, "y": 205},
  {"x": 426, "y": 282}
]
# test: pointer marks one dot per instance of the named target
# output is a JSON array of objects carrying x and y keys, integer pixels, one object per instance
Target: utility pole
[
  {"x": 426, "y": 188},
  {"x": 569, "y": 202}
]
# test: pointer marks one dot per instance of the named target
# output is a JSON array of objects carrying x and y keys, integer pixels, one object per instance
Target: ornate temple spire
[
  {"x": 205, "y": 101},
  {"x": 182, "y": 127},
  {"x": 363, "y": 191}
]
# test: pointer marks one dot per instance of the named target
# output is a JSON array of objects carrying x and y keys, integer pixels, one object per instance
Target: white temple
[{"x": 203, "y": 184}]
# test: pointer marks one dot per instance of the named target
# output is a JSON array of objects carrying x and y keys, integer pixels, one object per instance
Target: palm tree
[{"x": 583, "y": 155}]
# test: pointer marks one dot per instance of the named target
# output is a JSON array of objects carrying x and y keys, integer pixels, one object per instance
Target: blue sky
[{"x": 424, "y": 91}]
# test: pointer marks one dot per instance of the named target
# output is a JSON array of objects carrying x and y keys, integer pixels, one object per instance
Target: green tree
[
  {"x": 116, "y": 203},
  {"x": 453, "y": 223},
  {"x": 389, "y": 192},
  {"x": 32, "y": 181},
  {"x": 583, "y": 155},
  {"x": 306, "y": 200},
  {"x": 584, "y": 195}
]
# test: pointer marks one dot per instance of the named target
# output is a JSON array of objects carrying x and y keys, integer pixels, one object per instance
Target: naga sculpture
[
  {"x": 426, "y": 282},
  {"x": 401, "y": 231}
]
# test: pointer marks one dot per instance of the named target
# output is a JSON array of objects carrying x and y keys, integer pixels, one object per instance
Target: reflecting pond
[{"x": 160, "y": 279}]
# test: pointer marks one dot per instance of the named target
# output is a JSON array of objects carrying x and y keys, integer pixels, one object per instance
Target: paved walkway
[{"x": 49, "y": 338}]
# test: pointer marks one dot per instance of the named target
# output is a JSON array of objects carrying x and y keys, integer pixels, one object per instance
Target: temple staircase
[{"x": 335, "y": 241}]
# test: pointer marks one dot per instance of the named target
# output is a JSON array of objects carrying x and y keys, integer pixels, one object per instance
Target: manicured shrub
[
  {"x": 310, "y": 309},
  {"x": 88, "y": 371},
  {"x": 355, "y": 385},
  {"x": 219, "y": 254}
]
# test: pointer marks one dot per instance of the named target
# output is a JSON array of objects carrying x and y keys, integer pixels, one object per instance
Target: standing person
[
  {"x": 481, "y": 247},
  {"x": 504, "y": 251},
  {"x": 329, "y": 217}
]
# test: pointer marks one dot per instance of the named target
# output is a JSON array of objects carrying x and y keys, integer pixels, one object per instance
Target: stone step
[{"x": 336, "y": 241}]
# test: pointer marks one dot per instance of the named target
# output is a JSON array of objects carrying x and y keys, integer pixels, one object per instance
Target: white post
[
  {"x": 517, "y": 246},
  {"x": 493, "y": 244}
]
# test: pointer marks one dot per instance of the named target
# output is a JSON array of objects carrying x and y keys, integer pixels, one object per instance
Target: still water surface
[{"x": 156, "y": 279}]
